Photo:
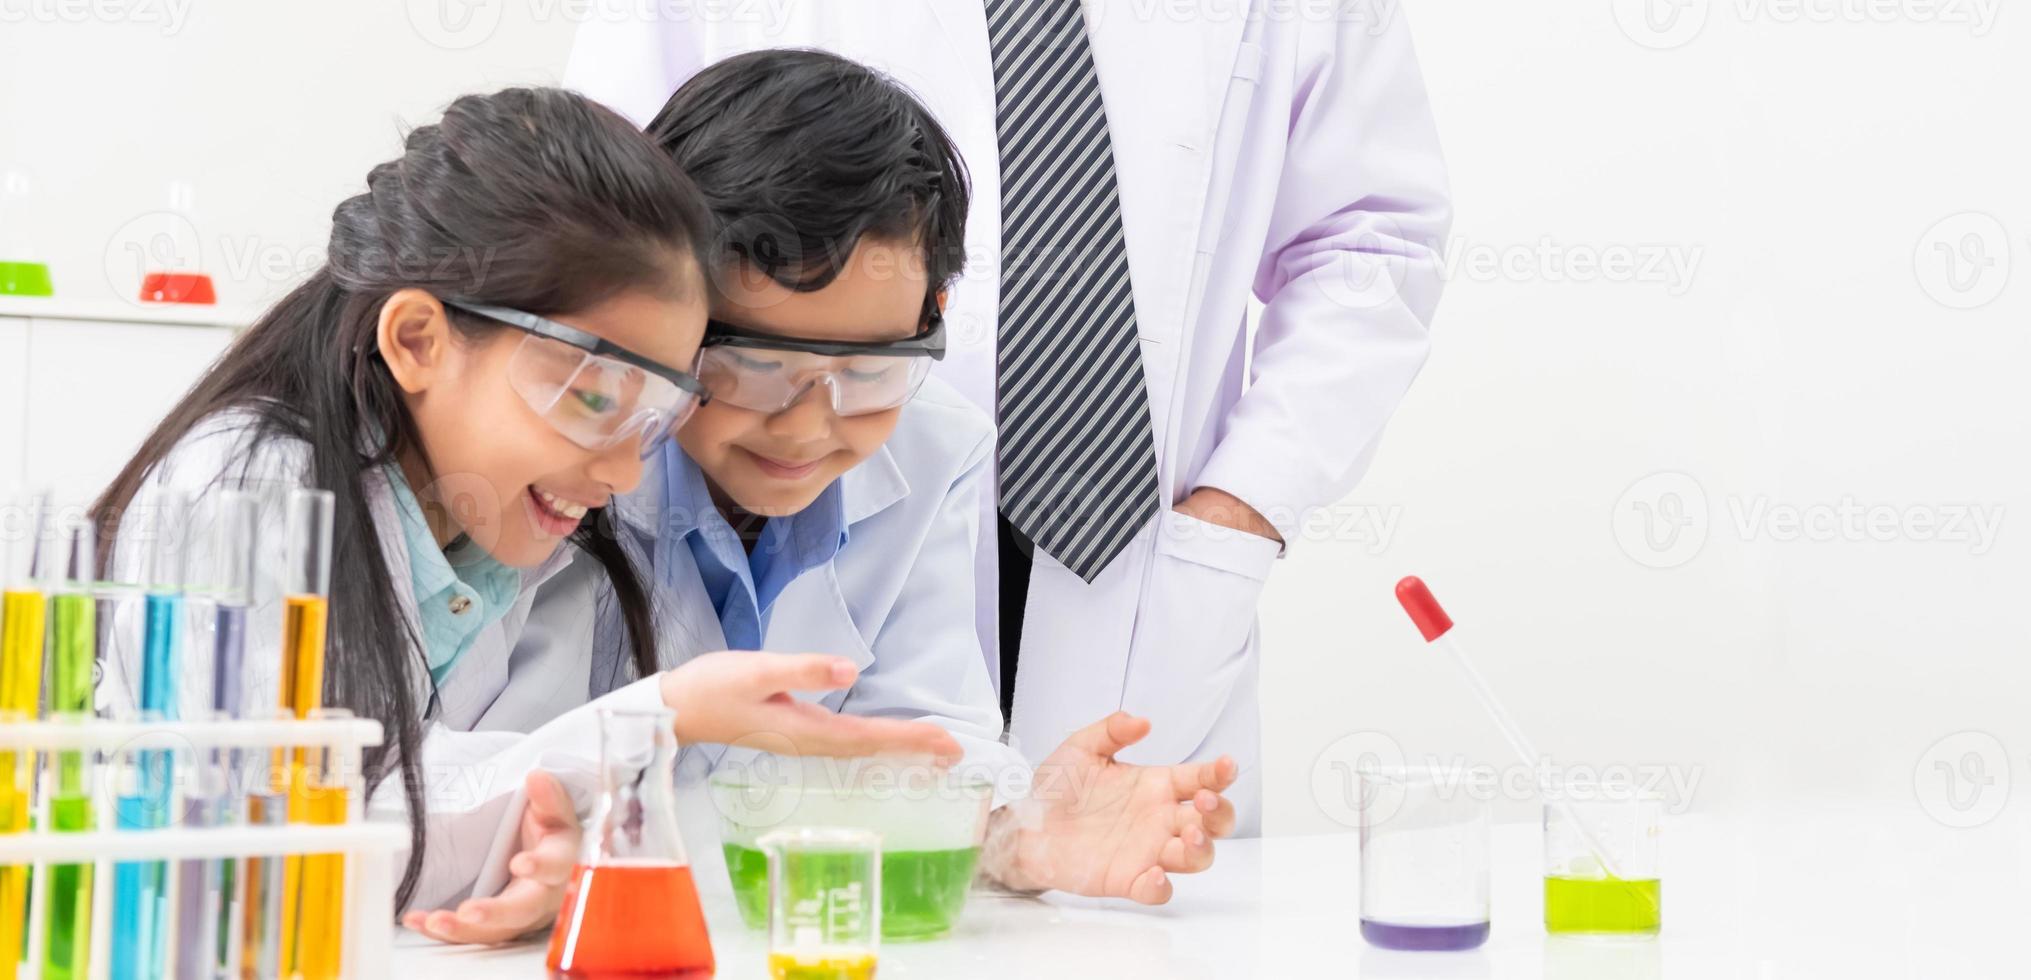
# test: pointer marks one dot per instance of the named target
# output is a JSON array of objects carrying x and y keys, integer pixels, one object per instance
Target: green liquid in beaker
[
  {"x": 922, "y": 891},
  {"x": 1603, "y": 905}
]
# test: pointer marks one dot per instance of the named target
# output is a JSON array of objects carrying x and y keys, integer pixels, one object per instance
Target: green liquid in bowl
[
  {"x": 931, "y": 835},
  {"x": 922, "y": 891}
]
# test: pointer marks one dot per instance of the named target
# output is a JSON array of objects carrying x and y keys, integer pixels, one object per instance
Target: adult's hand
[
  {"x": 1096, "y": 826},
  {"x": 1218, "y": 507}
]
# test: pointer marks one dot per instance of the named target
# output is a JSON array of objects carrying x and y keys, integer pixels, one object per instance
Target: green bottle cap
[{"x": 24, "y": 279}]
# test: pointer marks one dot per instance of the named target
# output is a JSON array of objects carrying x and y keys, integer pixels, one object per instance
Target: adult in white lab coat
[{"x": 1267, "y": 151}]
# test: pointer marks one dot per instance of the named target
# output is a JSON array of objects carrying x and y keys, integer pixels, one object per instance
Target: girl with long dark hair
[{"x": 504, "y": 328}]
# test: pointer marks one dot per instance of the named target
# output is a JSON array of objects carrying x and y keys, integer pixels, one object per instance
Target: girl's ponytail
[{"x": 534, "y": 199}]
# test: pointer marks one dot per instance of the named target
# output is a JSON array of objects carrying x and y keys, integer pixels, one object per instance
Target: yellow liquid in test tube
[
  {"x": 22, "y": 614},
  {"x": 312, "y": 920},
  {"x": 853, "y": 964},
  {"x": 322, "y": 932}
]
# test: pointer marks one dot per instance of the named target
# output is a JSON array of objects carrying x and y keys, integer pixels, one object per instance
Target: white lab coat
[
  {"x": 1268, "y": 151},
  {"x": 478, "y": 749}
]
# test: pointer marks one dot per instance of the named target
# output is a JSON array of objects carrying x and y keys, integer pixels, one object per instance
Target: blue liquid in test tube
[{"x": 140, "y": 941}]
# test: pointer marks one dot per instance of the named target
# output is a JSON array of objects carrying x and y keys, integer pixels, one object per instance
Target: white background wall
[{"x": 1807, "y": 325}]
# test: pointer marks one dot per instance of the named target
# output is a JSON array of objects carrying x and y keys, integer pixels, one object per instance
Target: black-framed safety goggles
[
  {"x": 593, "y": 391},
  {"x": 766, "y": 372}
]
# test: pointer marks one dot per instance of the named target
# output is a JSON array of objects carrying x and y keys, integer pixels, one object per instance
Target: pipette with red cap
[{"x": 1437, "y": 627}]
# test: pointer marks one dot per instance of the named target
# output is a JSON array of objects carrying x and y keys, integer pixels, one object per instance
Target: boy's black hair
[{"x": 801, "y": 154}]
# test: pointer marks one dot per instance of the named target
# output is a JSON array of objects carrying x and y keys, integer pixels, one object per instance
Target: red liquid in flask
[{"x": 633, "y": 921}]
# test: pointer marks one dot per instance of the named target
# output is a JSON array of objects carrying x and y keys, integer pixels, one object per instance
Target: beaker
[
  {"x": 1424, "y": 858},
  {"x": 1582, "y": 895},
  {"x": 931, "y": 822},
  {"x": 825, "y": 903},
  {"x": 631, "y": 908}
]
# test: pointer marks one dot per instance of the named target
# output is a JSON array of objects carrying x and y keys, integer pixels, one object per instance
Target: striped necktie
[{"x": 1078, "y": 461}]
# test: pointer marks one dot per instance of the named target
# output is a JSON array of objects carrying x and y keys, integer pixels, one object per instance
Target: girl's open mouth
[{"x": 554, "y": 515}]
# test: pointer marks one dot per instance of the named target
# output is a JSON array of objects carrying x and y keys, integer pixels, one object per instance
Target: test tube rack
[{"x": 369, "y": 848}]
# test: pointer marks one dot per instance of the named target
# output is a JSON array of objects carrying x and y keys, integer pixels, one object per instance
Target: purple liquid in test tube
[{"x": 207, "y": 896}]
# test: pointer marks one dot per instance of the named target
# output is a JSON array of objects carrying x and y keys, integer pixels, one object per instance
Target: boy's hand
[
  {"x": 1094, "y": 826},
  {"x": 550, "y": 839},
  {"x": 728, "y": 697}
]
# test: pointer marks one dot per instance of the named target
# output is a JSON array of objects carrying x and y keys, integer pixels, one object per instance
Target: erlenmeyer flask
[{"x": 631, "y": 909}]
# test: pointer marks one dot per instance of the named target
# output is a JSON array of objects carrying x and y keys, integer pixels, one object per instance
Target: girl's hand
[
  {"x": 1095, "y": 826},
  {"x": 745, "y": 696},
  {"x": 550, "y": 837}
]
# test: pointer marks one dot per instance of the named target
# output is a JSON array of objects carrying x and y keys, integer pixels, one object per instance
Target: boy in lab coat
[{"x": 827, "y": 495}]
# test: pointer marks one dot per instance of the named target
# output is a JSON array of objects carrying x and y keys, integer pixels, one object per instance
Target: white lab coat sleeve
[
  {"x": 1351, "y": 274},
  {"x": 632, "y": 62},
  {"x": 928, "y": 664},
  {"x": 473, "y": 792}
]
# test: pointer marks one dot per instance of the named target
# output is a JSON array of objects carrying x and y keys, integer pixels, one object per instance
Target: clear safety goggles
[
  {"x": 769, "y": 373},
  {"x": 596, "y": 393}
]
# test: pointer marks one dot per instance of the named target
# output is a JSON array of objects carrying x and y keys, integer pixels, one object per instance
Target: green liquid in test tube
[{"x": 73, "y": 647}]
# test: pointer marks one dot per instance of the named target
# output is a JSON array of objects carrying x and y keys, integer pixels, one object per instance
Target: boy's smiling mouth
[{"x": 783, "y": 469}]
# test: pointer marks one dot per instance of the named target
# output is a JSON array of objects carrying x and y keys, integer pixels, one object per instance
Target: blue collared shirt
[
  {"x": 458, "y": 594},
  {"x": 744, "y": 585}
]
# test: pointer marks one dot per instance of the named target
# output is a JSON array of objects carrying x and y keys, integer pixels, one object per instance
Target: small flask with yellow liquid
[{"x": 825, "y": 903}]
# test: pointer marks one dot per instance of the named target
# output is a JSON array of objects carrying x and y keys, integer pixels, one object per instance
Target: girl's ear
[
  {"x": 414, "y": 338},
  {"x": 942, "y": 296}
]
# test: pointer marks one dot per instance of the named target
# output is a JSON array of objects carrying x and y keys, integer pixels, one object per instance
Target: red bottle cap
[
  {"x": 1423, "y": 608},
  {"x": 178, "y": 287}
]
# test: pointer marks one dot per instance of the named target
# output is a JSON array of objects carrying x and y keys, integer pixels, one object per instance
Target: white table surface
[{"x": 1796, "y": 893}]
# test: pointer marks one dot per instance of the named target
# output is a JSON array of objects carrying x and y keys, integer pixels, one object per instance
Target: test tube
[
  {"x": 321, "y": 933},
  {"x": 140, "y": 901},
  {"x": 304, "y": 613},
  {"x": 206, "y": 896},
  {"x": 73, "y": 649},
  {"x": 22, "y": 621},
  {"x": 261, "y": 878},
  {"x": 140, "y": 888}
]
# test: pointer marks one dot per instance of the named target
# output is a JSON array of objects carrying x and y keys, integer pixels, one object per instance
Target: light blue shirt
[
  {"x": 458, "y": 593},
  {"x": 744, "y": 585}
]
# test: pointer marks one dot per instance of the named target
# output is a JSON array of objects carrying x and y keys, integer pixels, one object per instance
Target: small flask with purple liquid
[{"x": 1424, "y": 857}]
